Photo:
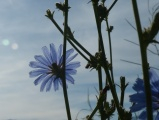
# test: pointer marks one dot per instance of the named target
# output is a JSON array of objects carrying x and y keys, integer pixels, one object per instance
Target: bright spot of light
[
  {"x": 14, "y": 46},
  {"x": 5, "y": 42}
]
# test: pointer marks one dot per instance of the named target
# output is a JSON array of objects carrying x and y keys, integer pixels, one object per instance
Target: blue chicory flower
[
  {"x": 48, "y": 68},
  {"x": 139, "y": 98}
]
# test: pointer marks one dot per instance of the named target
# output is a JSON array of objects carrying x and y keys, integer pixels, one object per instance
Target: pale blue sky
[{"x": 25, "y": 29}]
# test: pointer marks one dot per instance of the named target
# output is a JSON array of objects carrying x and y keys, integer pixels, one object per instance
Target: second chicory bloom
[
  {"x": 49, "y": 68},
  {"x": 139, "y": 98}
]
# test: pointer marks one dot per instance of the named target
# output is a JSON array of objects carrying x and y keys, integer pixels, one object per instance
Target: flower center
[{"x": 56, "y": 70}]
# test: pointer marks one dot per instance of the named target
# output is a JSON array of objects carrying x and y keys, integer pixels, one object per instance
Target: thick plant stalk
[
  {"x": 64, "y": 61},
  {"x": 145, "y": 67}
]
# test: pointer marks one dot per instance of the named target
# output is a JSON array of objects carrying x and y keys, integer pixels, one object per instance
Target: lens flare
[
  {"x": 5, "y": 42},
  {"x": 14, "y": 46}
]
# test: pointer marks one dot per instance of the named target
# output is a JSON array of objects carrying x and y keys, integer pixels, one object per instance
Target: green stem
[
  {"x": 79, "y": 51},
  {"x": 70, "y": 40},
  {"x": 144, "y": 63},
  {"x": 122, "y": 87},
  {"x": 99, "y": 70},
  {"x": 99, "y": 103},
  {"x": 64, "y": 62},
  {"x": 100, "y": 78},
  {"x": 98, "y": 23},
  {"x": 100, "y": 89},
  {"x": 100, "y": 48},
  {"x": 93, "y": 113},
  {"x": 110, "y": 49},
  {"x": 114, "y": 94}
]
